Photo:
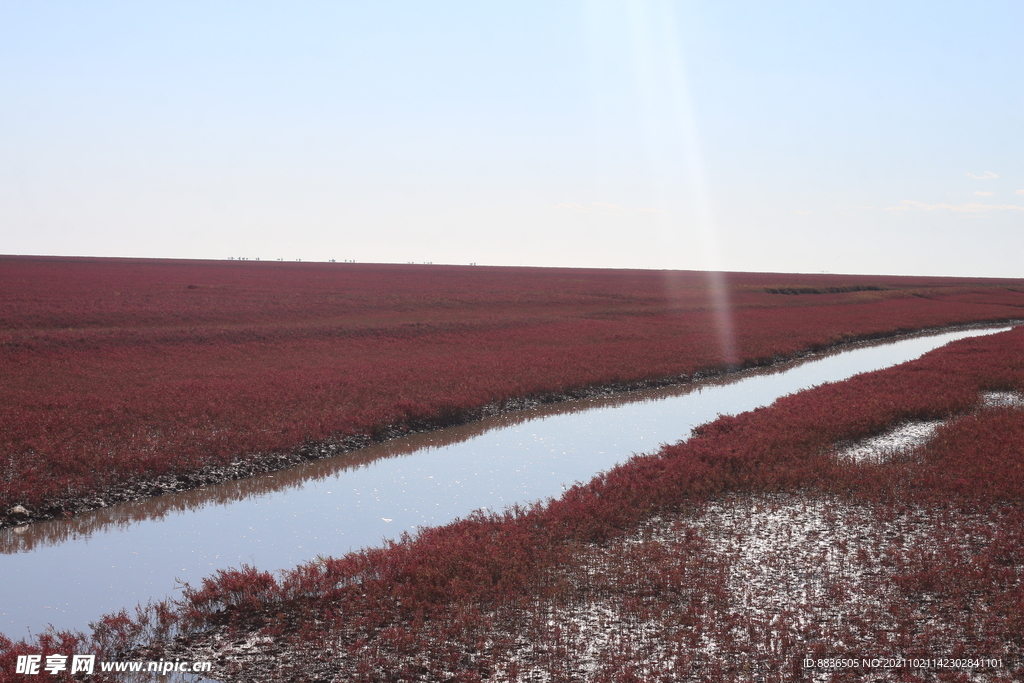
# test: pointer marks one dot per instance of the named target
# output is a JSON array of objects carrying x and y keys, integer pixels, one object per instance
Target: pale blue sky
[{"x": 875, "y": 137}]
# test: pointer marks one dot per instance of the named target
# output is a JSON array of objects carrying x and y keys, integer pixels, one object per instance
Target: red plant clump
[
  {"x": 739, "y": 554},
  {"x": 117, "y": 370}
]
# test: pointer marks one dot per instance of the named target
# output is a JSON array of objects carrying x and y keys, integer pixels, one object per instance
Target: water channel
[{"x": 69, "y": 572}]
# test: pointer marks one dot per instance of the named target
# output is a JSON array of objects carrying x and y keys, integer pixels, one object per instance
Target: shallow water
[{"x": 68, "y": 573}]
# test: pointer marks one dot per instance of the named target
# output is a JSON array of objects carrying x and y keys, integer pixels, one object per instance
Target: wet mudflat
[
  {"x": 68, "y": 573},
  {"x": 781, "y": 569}
]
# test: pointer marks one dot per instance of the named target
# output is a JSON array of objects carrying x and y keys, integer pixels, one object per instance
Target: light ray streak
[{"x": 673, "y": 141}]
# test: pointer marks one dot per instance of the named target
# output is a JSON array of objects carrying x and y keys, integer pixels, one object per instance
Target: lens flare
[{"x": 650, "y": 33}]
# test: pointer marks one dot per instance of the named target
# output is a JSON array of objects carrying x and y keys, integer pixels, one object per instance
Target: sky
[{"x": 857, "y": 137}]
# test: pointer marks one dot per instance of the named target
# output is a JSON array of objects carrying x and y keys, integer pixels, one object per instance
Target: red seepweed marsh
[{"x": 157, "y": 369}]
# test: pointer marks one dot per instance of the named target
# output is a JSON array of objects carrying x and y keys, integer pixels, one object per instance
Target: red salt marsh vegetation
[
  {"x": 730, "y": 557},
  {"x": 733, "y": 556},
  {"x": 123, "y": 378}
]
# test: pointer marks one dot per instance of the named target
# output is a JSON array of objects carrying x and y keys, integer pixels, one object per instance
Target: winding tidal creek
[{"x": 70, "y": 572}]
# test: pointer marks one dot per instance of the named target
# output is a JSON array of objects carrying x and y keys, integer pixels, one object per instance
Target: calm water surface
[{"x": 68, "y": 573}]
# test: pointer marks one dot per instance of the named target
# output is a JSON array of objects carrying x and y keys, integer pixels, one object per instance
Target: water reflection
[
  {"x": 71, "y": 571},
  {"x": 27, "y": 538}
]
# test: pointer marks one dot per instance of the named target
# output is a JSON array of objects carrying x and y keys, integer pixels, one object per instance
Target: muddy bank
[{"x": 261, "y": 463}]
